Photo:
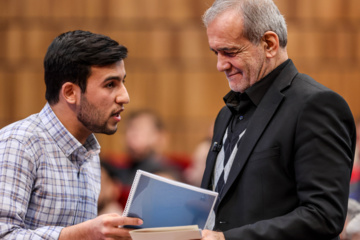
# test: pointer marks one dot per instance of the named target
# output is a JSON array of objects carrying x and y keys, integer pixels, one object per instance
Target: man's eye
[
  {"x": 110, "y": 85},
  {"x": 230, "y": 54}
]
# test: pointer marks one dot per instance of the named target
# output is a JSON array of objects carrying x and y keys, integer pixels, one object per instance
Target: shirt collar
[
  {"x": 256, "y": 92},
  {"x": 63, "y": 138}
]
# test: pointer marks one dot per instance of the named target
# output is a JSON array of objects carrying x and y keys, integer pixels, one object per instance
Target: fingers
[
  {"x": 205, "y": 233},
  {"x": 113, "y": 226},
  {"x": 211, "y": 235},
  {"x": 120, "y": 233},
  {"x": 121, "y": 221},
  {"x": 113, "y": 219}
]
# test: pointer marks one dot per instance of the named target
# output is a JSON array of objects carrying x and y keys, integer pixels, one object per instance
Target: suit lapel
[
  {"x": 259, "y": 121},
  {"x": 220, "y": 126}
]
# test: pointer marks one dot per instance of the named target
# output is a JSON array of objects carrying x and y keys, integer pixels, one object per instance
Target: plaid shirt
[{"x": 48, "y": 179}]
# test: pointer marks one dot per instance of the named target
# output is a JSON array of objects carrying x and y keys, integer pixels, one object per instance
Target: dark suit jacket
[{"x": 290, "y": 177}]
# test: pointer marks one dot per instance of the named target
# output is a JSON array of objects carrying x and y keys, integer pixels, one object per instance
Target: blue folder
[{"x": 161, "y": 202}]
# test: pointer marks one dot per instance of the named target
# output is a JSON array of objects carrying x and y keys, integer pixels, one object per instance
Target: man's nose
[
  {"x": 122, "y": 96},
  {"x": 222, "y": 63}
]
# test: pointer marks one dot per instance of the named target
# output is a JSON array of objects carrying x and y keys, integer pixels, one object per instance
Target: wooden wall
[{"x": 170, "y": 68}]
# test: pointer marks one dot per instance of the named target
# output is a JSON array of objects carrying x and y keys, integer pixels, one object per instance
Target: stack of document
[{"x": 167, "y": 233}]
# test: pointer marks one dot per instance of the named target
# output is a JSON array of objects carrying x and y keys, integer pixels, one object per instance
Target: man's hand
[
  {"x": 211, "y": 235},
  {"x": 107, "y": 226}
]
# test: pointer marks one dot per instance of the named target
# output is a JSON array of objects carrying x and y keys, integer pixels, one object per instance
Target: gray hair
[{"x": 259, "y": 16}]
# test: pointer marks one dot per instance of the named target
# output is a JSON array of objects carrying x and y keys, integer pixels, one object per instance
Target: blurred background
[{"x": 170, "y": 69}]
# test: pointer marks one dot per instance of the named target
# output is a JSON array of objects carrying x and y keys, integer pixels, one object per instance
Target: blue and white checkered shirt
[{"x": 48, "y": 179}]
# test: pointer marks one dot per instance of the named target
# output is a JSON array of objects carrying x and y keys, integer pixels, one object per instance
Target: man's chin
[
  {"x": 238, "y": 86},
  {"x": 237, "y": 89},
  {"x": 109, "y": 130}
]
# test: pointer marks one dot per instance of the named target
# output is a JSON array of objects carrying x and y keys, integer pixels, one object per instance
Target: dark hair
[{"x": 70, "y": 56}]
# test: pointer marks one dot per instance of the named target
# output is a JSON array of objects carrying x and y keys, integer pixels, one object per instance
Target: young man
[
  {"x": 283, "y": 146},
  {"x": 49, "y": 162}
]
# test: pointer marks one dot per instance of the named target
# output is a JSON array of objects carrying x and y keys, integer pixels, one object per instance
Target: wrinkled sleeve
[{"x": 17, "y": 176}]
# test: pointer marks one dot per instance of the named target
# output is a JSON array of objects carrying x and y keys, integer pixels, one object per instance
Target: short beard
[{"x": 90, "y": 118}]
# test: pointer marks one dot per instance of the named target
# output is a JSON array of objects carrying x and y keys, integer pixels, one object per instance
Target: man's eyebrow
[
  {"x": 224, "y": 49},
  {"x": 114, "y": 78}
]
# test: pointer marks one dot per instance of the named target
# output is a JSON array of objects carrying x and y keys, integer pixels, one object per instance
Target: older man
[{"x": 283, "y": 146}]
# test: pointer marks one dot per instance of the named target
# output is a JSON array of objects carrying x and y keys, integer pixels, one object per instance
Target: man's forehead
[
  {"x": 227, "y": 24},
  {"x": 119, "y": 64}
]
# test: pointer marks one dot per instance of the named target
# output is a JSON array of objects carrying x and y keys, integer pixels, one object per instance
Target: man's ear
[
  {"x": 69, "y": 92},
  {"x": 272, "y": 44}
]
